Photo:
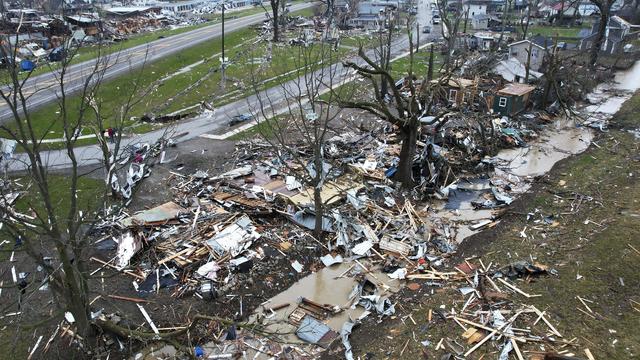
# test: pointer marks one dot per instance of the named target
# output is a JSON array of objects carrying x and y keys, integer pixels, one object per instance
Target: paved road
[
  {"x": 205, "y": 123},
  {"x": 42, "y": 88}
]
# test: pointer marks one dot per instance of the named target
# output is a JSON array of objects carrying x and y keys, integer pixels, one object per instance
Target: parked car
[
  {"x": 57, "y": 54},
  {"x": 239, "y": 119}
]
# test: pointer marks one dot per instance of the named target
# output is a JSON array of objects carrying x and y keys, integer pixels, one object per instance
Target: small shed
[{"x": 512, "y": 99}]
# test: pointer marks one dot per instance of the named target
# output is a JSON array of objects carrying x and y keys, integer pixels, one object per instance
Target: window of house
[
  {"x": 514, "y": 53},
  {"x": 503, "y": 102},
  {"x": 534, "y": 52},
  {"x": 453, "y": 95}
]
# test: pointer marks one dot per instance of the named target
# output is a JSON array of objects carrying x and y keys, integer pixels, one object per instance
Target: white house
[
  {"x": 475, "y": 7},
  {"x": 513, "y": 70},
  {"x": 537, "y": 46}
]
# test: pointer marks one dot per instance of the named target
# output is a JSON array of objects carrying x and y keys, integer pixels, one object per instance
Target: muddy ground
[{"x": 593, "y": 243}]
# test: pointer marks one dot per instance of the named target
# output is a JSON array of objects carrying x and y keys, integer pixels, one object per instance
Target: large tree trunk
[
  {"x": 404, "y": 175},
  {"x": 318, "y": 182},
  {"x": 319, "y": 208},
  {"x": 597, "y": 44},
  {"x": 75, "y": 294}
]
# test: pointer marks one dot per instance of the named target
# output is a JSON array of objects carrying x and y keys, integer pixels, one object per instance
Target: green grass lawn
[
  {"x": 553, "y": 31},
  {"x": 114, "y": 93},
  {"x": 400, "y": 67},
  {"x": 89, "y": 193},
  {"x": 91, "y": 51},
  {"x": 166, "y": 96}
]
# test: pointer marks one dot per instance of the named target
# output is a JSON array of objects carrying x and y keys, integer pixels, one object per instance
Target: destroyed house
[
  {"x": 482, "y": 41},
  {"x": 459, "y": 90},
  {"x": 23, "y": 16},
  {"x": 619, "y": 32},
  {"x": 89, "y": 25},
  {"x": 512, "y": 99}
]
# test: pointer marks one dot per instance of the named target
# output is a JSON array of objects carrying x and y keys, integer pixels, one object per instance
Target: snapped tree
[{"x": 406, "y": 107}]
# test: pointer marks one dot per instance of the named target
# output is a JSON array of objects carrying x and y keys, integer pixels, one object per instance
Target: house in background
[
  {"x": 539, "y": 46},
  {"x": 371, "y": 15},
  {"x": 474, "y": 7},
  {"x": 619, "y": 32},
  {"x": 512, "y": 99},
  {"x": 512, "y": 70},
  {"x": 587, "y": 8},
  {"x": 484, "y": 21}
]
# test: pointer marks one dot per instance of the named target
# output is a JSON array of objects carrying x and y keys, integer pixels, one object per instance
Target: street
[
  {"x": 43, "y": 88},
  {"x": 202, "y": 124}
]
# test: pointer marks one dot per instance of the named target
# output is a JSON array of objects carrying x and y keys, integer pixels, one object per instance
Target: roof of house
[
  {"x": 622, "y": 22},
  {"x": 542, "y": 41},
  {"x": 516, "y": 89},
  {"x": 460, "y": 82},
  {"x": 123, "y": 10},
  {"x": 514, "y": 67},
  {"x": 484, "y": 35},
  {"x": 538, "y": 40},
  {"x": 525, "y": 42}
]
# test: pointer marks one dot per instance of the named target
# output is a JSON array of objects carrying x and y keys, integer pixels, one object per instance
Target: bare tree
[
  {"x": 344, "y": 13},
  {"x": 384, "y": 50},
  {"x": 450, "y": 27},
  {"x": 604, "y": 7},
  {"x": 525, "y": 21},
  {"x": 47, "y": 227},
  {"x": 278, "y": 12},
  {"x": 406, "y": 108},
  {"x": 63, "y": 232},
  {"x": 505, "y": 20},
  {"x": 298, "y": 112}
]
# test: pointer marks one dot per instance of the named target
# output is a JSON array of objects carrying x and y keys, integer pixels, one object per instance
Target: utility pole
[
  {"x": 223, "y": 61},
  {"x": 418, "y": 37}
]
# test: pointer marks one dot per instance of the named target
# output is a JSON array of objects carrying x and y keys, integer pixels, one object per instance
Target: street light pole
[{"x": 223, "y": 62}]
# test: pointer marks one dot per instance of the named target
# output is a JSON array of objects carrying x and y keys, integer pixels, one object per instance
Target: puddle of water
[
  {"x": 609, "y": 97},
  {"x": 629, "y": 79},
  {"x": 323, "y": 287},
  {"x": 540, "y": 156}
]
